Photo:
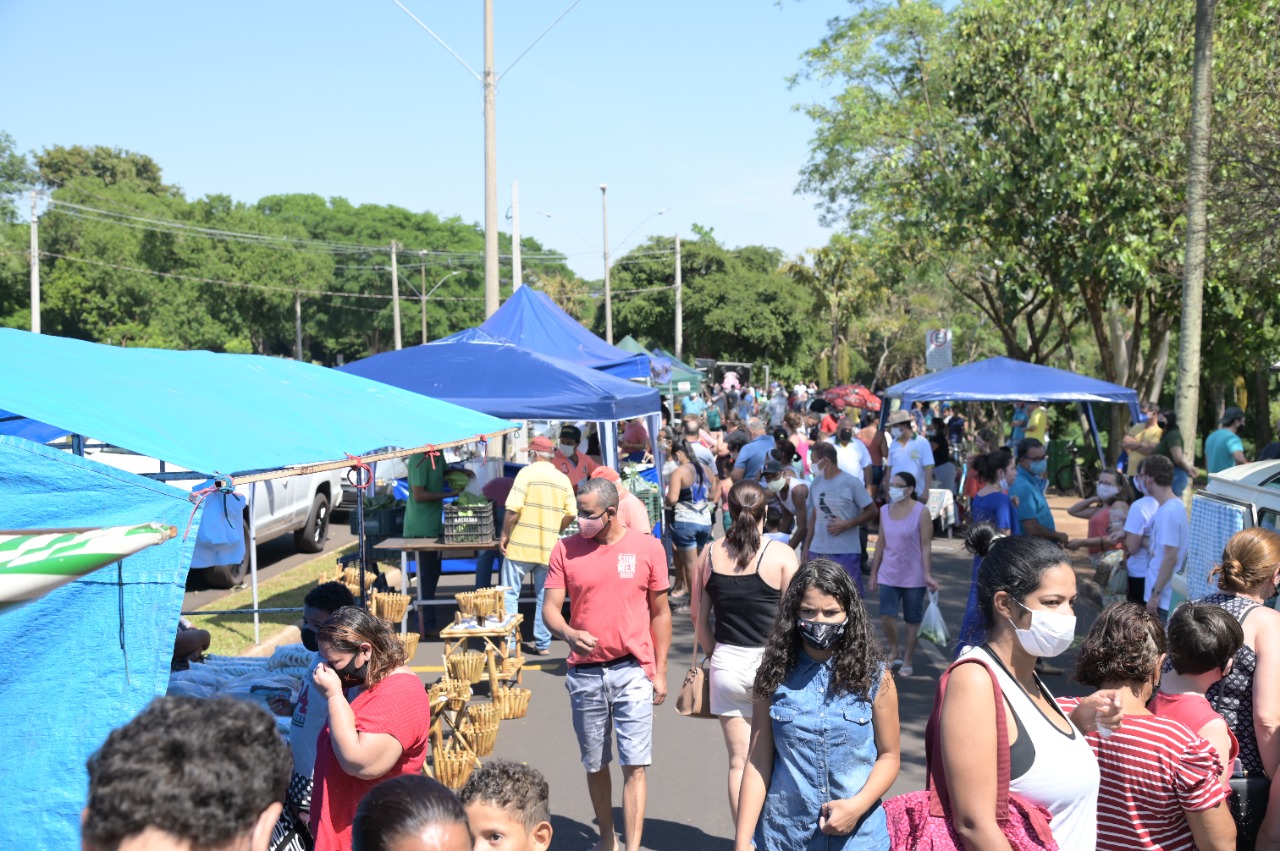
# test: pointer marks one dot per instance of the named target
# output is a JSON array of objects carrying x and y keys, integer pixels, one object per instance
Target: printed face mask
[
  {"x": 897, "y": 494},
  {"x": 1050, "y": 633},
  {"x": 589, "y": 527},
  {"x": 352, "y": 675},
  {"x": 820, "y": 636}
]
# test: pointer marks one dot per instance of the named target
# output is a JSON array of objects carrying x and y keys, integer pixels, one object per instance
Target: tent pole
[
  {"x": 253, "y": 560},
  {"x": 1097, "y": 438}
]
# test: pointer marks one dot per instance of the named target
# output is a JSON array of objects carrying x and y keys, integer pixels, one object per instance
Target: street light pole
[
  {"x": 490, "y": 169},
  {"x": 427, "y": 294},
  {"x": 608, "y": 292}
]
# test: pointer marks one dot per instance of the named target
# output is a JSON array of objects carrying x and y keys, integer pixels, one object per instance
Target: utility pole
[
  {"x": 422, "y": 296},
  {"x": 297, "y": 325},
  {"x": 395, "y": 295},
  {"x": 608, "y": 292},
  {"x": 490, "y": 170},
  {"x": 517, "y": 271},
  {"x": 679, "y": 306},
  {"x": 35, "y": 268}
]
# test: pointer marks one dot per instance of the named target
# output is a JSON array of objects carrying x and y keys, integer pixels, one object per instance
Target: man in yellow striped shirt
[{"x": 541, "y": 504}]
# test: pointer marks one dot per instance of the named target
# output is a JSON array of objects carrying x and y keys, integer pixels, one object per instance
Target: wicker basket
[
  {"x": 467, "y": 665},
  {"x": 468, "y": 524},
  {"x": 410, "y": 642},
  {"x": 466, "y": 602},
  {"x": 453, "y": 767},
  {"x": 456, "y": 692},
  {"x": 390, "y": 606},
  {"x": 481, "y": 733},
  {"x": 510, "y": 666},
  {"x": 512, "y": 702}
]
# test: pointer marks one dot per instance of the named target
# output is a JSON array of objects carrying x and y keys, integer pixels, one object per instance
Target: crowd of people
[{"x": 1184, "y": 711}]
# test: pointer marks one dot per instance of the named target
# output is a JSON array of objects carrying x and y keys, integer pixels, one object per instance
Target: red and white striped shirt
[{"x": 1154, "y": 770}]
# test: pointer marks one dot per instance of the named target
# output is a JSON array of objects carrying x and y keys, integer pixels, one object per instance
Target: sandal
[{"x": 906, "y": 671}]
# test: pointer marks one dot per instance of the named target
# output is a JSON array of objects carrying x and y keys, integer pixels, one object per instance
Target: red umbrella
[{"x": 853, "y": 394}]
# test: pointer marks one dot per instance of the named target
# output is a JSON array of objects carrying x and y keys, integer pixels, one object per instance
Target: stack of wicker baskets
[
  {"x": 389, "y": 605},
  {"x": 410, "y": 642}
]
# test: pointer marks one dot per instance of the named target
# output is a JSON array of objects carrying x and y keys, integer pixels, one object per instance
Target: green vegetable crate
[{"x": 468, "y": 524}]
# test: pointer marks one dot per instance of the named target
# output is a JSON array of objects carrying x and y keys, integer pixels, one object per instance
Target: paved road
[
  {"x": 274, "y": 557},
  {"x": 688, "y": 806}
]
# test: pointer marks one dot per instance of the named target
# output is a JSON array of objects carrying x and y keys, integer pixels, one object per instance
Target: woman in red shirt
[{"x": 381, "y": 732}]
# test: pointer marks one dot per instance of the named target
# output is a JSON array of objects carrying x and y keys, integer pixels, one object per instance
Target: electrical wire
[{"x": 535, "y": 41}]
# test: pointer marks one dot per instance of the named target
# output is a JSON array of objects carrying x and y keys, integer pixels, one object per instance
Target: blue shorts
[
  {"x": 912, "y": 601},
  {"x": 690, "y": 536},
  {"x": 852, "y": 564}
]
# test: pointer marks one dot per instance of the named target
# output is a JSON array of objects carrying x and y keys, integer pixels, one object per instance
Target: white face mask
[
  {"x": 777, "y": 484},
  {"x": 566, "y": 449},
  {"x": 897, "y": 494},
  {"x": 900, "y": 432},
  {"x": 1106, "y": 492},
  {"x": 1050, "y": 633}
]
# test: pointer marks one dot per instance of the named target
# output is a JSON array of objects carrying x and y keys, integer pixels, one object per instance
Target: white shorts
[{"x": 733, "y": 672}]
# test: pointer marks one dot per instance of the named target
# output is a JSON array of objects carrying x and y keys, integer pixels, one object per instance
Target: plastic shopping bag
[{"x": 932, "y": 626}]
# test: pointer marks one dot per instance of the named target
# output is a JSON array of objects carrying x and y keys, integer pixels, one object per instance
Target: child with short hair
[
  {"x": 772, "y": 523},
  {"x": 508, "y": 807},
  {"x": 1202, "y": 640}
]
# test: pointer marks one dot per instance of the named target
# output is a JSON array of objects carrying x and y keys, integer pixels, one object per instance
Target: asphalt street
[{"x": 688, "y": 805}]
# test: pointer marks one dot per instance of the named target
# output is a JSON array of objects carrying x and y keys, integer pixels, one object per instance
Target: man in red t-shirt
[{"x": 619, "y": 633}]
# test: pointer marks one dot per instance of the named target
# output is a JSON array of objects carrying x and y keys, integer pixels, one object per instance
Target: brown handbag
[{"x": 694, "y": 700}]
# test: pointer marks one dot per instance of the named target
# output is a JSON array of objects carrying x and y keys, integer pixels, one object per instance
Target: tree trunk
[
  {"x": 1197, "y": 224},
  {"x": 1161, "y": 367}
]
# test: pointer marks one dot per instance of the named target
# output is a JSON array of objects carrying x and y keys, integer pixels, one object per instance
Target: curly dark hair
[
  {"x": 329, "y": 597},
  {"x": 520, "y": 790},
  {"x": 1123, "y": 647},
  {"x": 403, "y": 806},
  {"x": 200, "y": 770},
  {"x": 857, "y": 655}
]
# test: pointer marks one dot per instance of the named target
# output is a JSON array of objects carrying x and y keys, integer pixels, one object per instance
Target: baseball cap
[
  {"x": 607, "y": 473},
  {"x": 541, "y": 444},
  {"x": 570, "y": 433},
  {"x": 1232, "y": 413},
  {"x": 771, "y": 467}
]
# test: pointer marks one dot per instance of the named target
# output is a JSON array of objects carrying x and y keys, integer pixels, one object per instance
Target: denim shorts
[
  {"x": 617, "y": 699},
  {"x": 911, "y": 599},
  {"x": 690, "y": 536}
]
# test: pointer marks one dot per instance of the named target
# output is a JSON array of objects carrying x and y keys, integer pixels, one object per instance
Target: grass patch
[{"x": 231, "y": 635}]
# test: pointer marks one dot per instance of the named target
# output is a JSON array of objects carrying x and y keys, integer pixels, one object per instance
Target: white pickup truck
[
  {"x": 298, "y": 504},
  {"x": 1236, "y": 498}
]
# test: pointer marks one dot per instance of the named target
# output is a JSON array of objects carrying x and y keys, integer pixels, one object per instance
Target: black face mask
[
  {"x": 351, "y": 675},
  {"x": 309, "y": 639},
  {"x": 846, "y": 435}
]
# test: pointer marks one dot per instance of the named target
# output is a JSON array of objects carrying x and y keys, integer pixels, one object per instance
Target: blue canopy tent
[
  {"x": 1002, "y": 379},
  {"x": 484, "y": 373},
  {"x": 531, "y": 320},
  {"x": 89, "y": 655}
]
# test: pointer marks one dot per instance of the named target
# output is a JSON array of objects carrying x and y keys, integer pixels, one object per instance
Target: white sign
[
  {"x": 937, "y": 350},
  {"x": 682, "y": 386}
]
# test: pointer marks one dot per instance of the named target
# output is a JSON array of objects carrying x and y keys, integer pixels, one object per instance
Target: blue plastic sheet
[{"x": 87, "y": 657}]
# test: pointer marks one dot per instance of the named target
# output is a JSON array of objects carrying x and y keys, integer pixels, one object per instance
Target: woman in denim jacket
[{"x": 824, "y": 735}]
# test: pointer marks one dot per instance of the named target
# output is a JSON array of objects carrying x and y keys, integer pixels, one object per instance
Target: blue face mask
[{"x": 1039, "y": 468}]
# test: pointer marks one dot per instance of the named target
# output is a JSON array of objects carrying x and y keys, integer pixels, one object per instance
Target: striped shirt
[
  {"x": 543, "y": 497},
  {"x": 1154, "y": 770}
]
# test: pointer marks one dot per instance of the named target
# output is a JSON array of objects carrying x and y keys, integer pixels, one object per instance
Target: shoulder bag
[
  {"x": 921, "y": 821},
  {"x": 694, "y": 700}
]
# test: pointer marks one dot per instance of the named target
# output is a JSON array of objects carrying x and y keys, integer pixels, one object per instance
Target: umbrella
[
  {"x": 853, "y": 394},
  {"x": 35, "y": 561}
]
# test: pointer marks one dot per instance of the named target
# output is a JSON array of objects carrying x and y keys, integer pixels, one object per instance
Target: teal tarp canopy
[
  {"x": 88, "y": 656},
  {"x": 216, "y": 413}
]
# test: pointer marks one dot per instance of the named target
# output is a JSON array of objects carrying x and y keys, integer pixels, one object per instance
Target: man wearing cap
[
  {"x": 632, "y": 512},
  {"x": 1223, "y": 448},
  {"x": 569, "y": 460},
  {"x": 540, "y": 505},
  {"x": 751, "y": 458},
  {"x": 792, "y": 494},
  {"x": 909, "y": 453}
]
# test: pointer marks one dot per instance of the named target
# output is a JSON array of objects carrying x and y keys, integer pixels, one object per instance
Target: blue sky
[{"x": 680, "y": 105}]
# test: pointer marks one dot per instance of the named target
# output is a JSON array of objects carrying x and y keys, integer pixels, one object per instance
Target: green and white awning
[{"x": 35, "y": 561}]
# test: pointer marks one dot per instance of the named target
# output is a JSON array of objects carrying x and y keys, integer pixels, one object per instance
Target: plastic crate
[
  {"x": 380, "y": 523},
  {"x": 468, "y": 524}
]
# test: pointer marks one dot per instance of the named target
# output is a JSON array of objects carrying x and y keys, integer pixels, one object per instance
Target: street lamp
[
  {"x": 608, "y": 292},
  {"x": 424, "y": 301}
]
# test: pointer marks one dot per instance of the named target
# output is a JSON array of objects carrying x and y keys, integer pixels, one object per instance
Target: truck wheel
[
  {"x": 230, "y": 575},
  {"x": 311, "y": 538}
]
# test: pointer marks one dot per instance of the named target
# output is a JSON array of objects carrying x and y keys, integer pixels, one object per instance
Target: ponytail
[{"x": 747, "y": 507}]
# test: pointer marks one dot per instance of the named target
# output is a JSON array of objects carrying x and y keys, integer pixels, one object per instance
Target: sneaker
[{"x": 906, "y": 671}]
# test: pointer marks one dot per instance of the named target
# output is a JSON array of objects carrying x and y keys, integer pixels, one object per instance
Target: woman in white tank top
[{"x": 1026, "y": 590}]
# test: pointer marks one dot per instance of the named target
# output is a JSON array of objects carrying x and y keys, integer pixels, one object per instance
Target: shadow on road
[{"x": 659, "y": 835}]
